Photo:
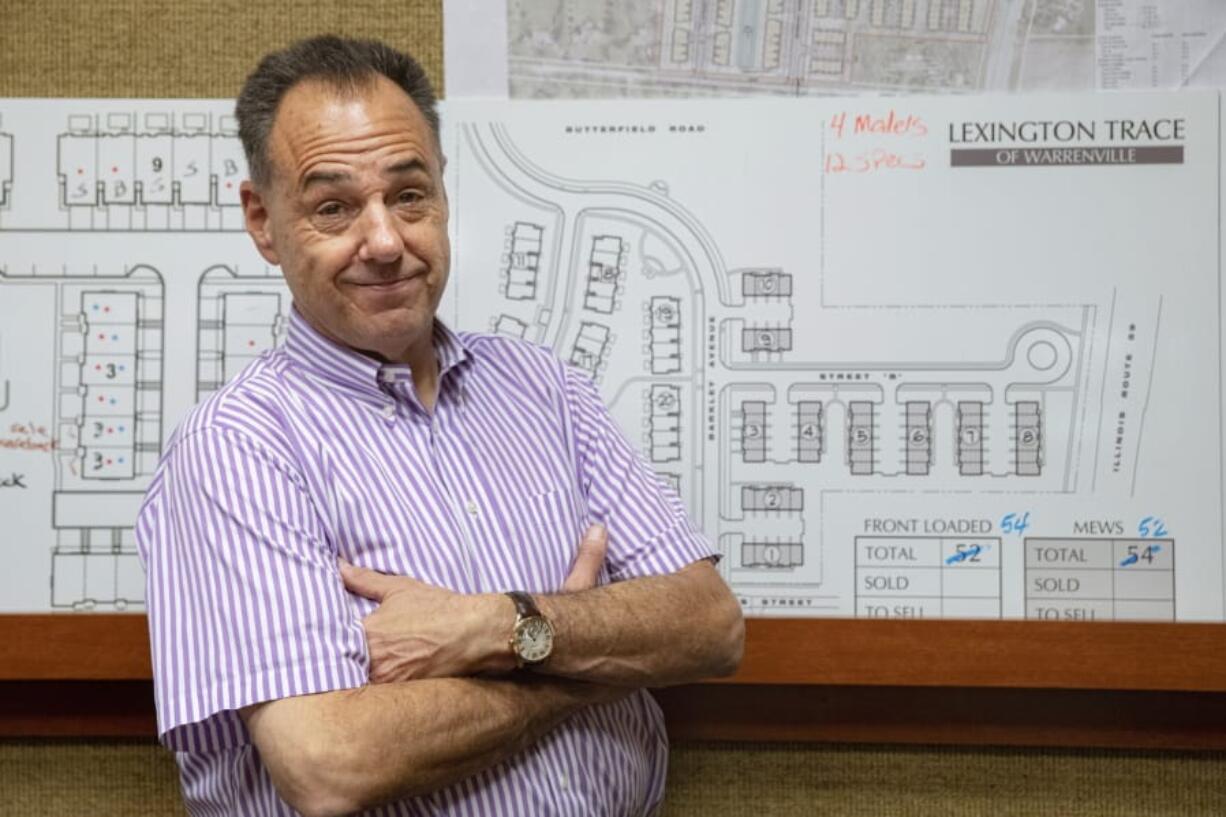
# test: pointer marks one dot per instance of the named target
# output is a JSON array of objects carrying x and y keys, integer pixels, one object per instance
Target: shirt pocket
[{"x": 542, "y": 535}]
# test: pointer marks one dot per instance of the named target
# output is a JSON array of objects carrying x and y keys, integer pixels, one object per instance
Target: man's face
[{"x": 356, "y": 215}]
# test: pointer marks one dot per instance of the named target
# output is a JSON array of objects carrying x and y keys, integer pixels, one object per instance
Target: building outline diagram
[
  {"x": 109, "y": 212},
  {"x": 702, "y": 362},
  {"x": 824, "y": 339}
]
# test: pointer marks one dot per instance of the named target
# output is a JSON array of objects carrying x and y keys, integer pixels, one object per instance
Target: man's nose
[{"x": 381, "y": 241}]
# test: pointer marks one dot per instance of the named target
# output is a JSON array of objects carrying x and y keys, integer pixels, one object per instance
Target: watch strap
[{"x": 525, "y": 607}]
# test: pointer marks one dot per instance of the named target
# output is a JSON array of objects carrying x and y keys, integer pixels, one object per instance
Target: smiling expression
[{"x": 356, "y": 216}]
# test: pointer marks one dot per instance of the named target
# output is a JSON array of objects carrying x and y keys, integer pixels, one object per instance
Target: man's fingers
[
  {"x": 367, "y": 583},
  {"x": 585, "y": 572}
]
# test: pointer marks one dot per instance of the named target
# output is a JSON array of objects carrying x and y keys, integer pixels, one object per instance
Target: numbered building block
[
  {"x": 772, "y": 498},
  {"x": 665, "y": 334},
  {"x": 970, "y": 438},
  {"x": 753, "y": 431},
  {"x": 918, "y": 435},
  {"x": 1028, "y": 438},
  {"x": 766, "y": 339},
  {"x": 664, "y": 423},
  {"x": 604, "y": 273},
  {"x": 861, "y": 421},
  {"x": 772, "y": 554},
  {"x": 809, "y": 432},
  {"x": 154, "y": 176},
  {"x": 766, "y": 284}
]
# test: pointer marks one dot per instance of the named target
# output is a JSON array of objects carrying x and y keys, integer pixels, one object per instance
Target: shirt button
[
  {"x": 563, "y": 782},
  {"x": 471, "y": 507},
  {"x": 389, "y": 411}
]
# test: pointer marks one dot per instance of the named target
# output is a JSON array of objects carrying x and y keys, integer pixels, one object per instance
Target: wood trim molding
[
  {"x": 759, "y": 713},
  {"x": 1026, "y": 654},
  {"x": 946, "y": 716},
  {"x": 844, "y": 652}
]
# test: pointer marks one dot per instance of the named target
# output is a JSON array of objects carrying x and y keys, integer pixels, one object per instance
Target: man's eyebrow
[
  {"x": 406, "y": 166},
  {"x": 335, "y": 176},
  {"x": 323, "y": 177}
]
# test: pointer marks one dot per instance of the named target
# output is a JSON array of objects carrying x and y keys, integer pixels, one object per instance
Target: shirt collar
[{"x": 344, "y": 366}]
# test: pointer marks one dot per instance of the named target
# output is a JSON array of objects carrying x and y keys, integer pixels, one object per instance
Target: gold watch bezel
[{"x": 522, "y": 623}]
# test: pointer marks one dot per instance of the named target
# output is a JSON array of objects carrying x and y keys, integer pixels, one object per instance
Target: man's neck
[{"x": 425, "y": 379}]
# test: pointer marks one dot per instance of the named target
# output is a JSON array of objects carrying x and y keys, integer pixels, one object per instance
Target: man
[{"x": 331, "y": 538}]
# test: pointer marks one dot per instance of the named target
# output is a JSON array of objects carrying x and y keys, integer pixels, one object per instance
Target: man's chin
[{"x": 392, "y": 335}]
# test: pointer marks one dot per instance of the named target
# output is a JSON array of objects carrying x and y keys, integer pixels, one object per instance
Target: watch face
[{"x": 533, "y": 640}]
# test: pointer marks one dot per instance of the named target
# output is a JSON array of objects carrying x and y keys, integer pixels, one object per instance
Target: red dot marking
[
  {"x": 229, "y": 185},
  {"x": 108, "y": 462},
  {"x": 101, "y": 336},
  {"x": 251, "y": 343},
  {"x": 101, "y": 399},
  {"x": 98, "y": 367},
  {"x": 114, "y": 169},
  {"x": 80, "y": 171},
  {"x": 106, "y": 309},
  {"x": 110, "y": 431}
]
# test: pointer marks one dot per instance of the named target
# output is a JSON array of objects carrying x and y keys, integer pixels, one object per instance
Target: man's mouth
[{"x": 384, "y": 283}]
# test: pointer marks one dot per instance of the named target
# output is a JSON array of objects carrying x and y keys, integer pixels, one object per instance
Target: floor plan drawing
[
  {"x": 239, "y": 318},
  {"x": 801, "y": 389},
  {"x": 907, "y": 357},
  {"x": 574, "y": 48},
  {"x": 105, "y": 432},
  {"x": 136, "y": 170},
  {"x": 127, "y": 291}
]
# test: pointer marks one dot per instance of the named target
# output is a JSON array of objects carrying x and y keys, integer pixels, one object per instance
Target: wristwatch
[{"x": 532, "y": 636}]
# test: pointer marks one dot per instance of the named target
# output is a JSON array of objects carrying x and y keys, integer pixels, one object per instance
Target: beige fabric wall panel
[{"x": 185, "y": 48}]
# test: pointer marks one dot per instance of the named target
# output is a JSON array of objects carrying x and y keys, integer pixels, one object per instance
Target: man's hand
[
  {"x": 589, "y": 560},
  {"x": 423, "y": 631}
]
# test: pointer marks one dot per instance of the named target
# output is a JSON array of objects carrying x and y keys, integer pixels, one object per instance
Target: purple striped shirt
[{"x": 316, "y": 452}]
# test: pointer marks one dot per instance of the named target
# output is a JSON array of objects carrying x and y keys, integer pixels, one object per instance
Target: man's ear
[{"x": 255, "y": 215}]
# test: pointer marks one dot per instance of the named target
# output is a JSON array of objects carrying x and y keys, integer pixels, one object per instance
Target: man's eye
[
  {"x": 329, "y": 208},
  {"x": 409, "y": 196}
]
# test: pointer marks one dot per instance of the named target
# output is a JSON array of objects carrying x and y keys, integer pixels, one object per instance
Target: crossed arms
[{"x": 443, "y": 707}]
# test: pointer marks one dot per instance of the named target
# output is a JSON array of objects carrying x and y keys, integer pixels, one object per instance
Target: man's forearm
[
  {"x": 652, "y": 631},
  {"x": 339, "y": 752}
]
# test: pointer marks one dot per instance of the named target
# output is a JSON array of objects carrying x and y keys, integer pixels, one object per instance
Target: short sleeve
[
  {"x": 650, "y": 533},
  {"x": 244, "y": 595}
]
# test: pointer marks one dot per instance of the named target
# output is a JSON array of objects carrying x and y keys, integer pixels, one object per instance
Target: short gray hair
[{"x": 347, "y": 64}]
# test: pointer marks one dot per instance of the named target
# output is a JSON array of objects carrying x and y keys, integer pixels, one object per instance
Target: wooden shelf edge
[
  {"x": 75, "y": 646},
  {"x": 1010, "y": 654},
  {"x": 944, "y": 716},
  {"x": 819, "y": 652},
  {"x": 947, "y": 716}
]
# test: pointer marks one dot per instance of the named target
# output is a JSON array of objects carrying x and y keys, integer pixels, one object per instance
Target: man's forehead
[{"x": 317, "y": 112}]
